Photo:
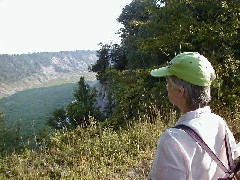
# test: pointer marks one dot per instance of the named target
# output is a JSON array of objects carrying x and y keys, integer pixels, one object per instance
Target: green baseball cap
[{"x": 188, "y": 66}]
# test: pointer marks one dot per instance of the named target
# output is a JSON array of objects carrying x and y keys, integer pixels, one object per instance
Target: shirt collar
[{"x": 193, "y": 114}]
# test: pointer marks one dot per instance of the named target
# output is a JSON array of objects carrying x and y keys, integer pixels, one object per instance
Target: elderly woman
[{"x": 179, "y": 156}]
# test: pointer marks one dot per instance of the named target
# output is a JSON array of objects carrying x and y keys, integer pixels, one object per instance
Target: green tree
[
  {"x": 84, "y": 106},
  {"x": 118, "y": 57},
  {"x": 154, "y": 31},
  {"x": 104, "y": 60},
  {"x": 59, "y": 119},
  {"x": 133, "y": 18},
  {"x": 10, "y": 136},
  {"x": 2, "y": 132},
  {"x": 133, "y": 95}
]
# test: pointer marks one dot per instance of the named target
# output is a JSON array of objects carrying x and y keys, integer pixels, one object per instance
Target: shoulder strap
[
  {"x": 229, "y": 152},
  {"x": 199, "y": 140}
]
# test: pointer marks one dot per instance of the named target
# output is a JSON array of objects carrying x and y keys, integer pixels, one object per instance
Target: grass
[{"x": 92, "y": 153}]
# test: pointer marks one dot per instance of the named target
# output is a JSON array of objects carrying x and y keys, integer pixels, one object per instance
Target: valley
[{"x": 31, "y": 108}]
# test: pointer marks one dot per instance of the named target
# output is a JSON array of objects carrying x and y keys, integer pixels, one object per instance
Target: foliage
[
  {"x": 133, "y": 96},
  {"x": 118, "y": 57},
  {"x": 10, "y": 139},
  {"x": 103, "y": 61},
  {"x": 133, "y": 17},
  {"x": 227, "y": 94},
  {"x": 123, "y": 145},
  {"x": 154, "y": 31},
  {"x": 80, "y": 110},
  {"x": 229, "y": 82},
  {"x": 109, "y": 56},
  {"x": 32, "y": 107},
  {"x": 91, "y": 153},
  {"x": 59, "y": 119}
]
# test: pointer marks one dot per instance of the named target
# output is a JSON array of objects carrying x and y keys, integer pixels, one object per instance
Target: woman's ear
[{"x": 181, "y": 91}]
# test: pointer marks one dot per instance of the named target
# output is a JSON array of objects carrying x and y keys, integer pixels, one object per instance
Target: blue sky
[{"x": 57, "y": 25}]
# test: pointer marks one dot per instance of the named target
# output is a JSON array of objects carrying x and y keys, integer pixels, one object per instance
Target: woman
[{"x": 179, "y": 156}]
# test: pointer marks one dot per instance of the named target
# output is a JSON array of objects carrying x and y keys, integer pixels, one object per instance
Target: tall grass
[{"x": 90, "y": 153}]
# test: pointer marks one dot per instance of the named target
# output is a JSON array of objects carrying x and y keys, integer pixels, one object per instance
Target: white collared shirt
[{"x": 179, "y": 157}]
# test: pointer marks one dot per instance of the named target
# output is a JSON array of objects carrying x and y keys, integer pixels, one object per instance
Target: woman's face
[
  {"x": 176, "y": 96},
  {"x": 172, "y": 93}
]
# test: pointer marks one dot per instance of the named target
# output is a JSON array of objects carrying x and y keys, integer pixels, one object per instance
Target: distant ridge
[{"x": 21, "y": 71}]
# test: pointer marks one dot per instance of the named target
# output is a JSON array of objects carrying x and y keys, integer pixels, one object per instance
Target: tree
[
  {"x": 59, "y": 119},
  {"x": 118, "y": 57},
  {"x": 2, "y": 131},
  {"x": 84, "y": 105},
  {"x": 133, "y": 17},
  {"x": 103, "y": 61},
  {"x": 155, "y": 32}
]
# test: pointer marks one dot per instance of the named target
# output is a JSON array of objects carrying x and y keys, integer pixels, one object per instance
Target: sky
[{"x": 28, "y": 26}]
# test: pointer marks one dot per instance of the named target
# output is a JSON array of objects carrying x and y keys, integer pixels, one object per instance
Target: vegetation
[
  {"x": 32, "y": 107},
  {"x": 15, "y": 68},
  {"x": 154, "y": 32},
  {"x": 8, "y": 136},
  {"x": 79, "y": 111},
  {"x": 91, "y": 153},
  {"x": 122, "y": 145}
]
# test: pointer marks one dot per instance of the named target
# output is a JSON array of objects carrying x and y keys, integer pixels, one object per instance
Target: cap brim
[{"x": 161, "y": 72}]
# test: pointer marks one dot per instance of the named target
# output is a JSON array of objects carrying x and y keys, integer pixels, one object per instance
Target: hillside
[{"x": 18, "y": 72}]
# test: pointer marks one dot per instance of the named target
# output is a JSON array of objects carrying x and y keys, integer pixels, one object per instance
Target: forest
[{"x": 120, "y": 140}]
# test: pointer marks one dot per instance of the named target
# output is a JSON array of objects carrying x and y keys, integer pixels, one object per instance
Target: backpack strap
[
  {"x": 229, "y": 152},
  {"x": 234, "y": 167},
  {"x": 200, "y": 141}
]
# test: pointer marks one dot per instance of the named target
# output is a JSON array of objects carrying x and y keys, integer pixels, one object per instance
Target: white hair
[{"x": 196, "y": 96}]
